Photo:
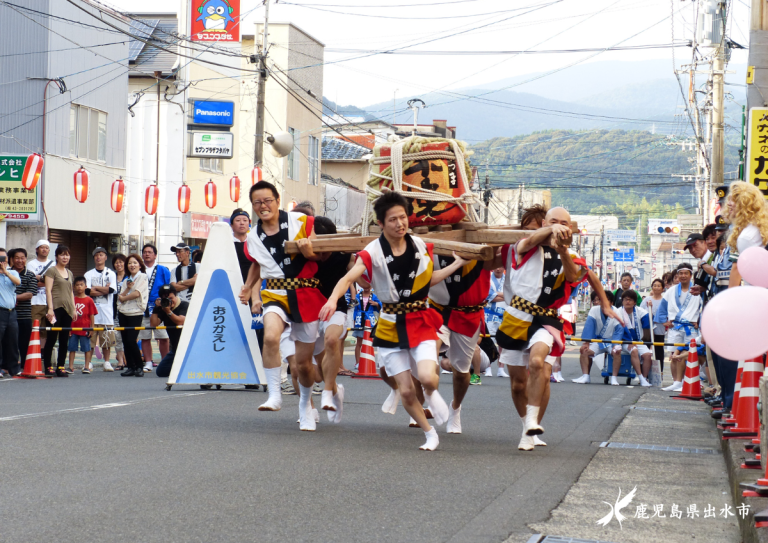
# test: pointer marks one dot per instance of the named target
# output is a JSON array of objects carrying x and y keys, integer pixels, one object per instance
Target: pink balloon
[
  {"x": 753, "y": 266},
  {"x": 733, "y": 323}
]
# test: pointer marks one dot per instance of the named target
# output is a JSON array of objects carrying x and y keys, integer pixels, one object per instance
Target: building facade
[{"x": 66, "y": 102}]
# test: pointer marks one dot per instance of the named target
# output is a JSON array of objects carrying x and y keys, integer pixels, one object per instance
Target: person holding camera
[
  {"x": 170, "y": 310},
  {"x": 131, "y": 304},
  {"x": 9, "y": 328}
]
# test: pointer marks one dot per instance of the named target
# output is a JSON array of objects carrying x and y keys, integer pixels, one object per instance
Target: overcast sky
[{"x": 507, "y": 25}]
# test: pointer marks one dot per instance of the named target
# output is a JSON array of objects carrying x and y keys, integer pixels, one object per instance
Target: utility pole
[
  {"x": 487, "y": 195},
  {"x": 519, "y": 203},
  {"x": 258, "y": 151},
  {"x": 602, "y": 263},
  {"x": 718, "y": 141}
]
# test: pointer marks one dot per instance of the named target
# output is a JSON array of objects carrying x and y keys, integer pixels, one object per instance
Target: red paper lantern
[
  {"x": 150, "y": 199},
  {"x": 234, "y": 188},
  {"x": 118, "y": 193},
  {"x": 210, "y": 194},
  {"x": 32, "y": 170},
  {"x": 185, "y": 193},
  {"x": 81, "y": 185},
  {"x": 256, "y": 175}
]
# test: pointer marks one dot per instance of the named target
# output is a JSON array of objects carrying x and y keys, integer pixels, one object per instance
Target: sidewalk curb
[{"x": 733, "y": 453}]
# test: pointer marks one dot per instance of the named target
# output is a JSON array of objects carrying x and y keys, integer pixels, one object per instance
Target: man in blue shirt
[
  {"x": 157, "y": 276},
  {"x": 636, "y": 327},
  {"x": 9, "y": 327}
]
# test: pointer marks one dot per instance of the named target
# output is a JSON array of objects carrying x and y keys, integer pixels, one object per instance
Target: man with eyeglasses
[{"x": 291, "y": 296}]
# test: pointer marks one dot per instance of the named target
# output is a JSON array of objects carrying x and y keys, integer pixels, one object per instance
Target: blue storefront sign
[{"x": 216, "y": 113}]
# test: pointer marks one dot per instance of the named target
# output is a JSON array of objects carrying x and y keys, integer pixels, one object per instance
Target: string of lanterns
[{"x": 34, "y": 167}]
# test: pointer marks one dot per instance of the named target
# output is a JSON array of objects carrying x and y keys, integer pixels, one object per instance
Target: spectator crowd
[{"x": 135, "y": 292}]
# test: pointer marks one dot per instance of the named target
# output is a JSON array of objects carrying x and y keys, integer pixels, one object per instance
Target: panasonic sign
[{"x": 213, "y": 113}]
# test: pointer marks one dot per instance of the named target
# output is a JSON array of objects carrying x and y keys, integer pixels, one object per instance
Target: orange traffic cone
[
  {"x": 747, "y": 422},
  {"x": 691, "y": 381},
  {"x": 731, "y": 419},
  {"x": 33, "y": 365},
  {"x": 366, "y": 369}
]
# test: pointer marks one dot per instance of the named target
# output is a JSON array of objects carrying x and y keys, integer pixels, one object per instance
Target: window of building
[
  {"x": 87, "y": 133},
  {"x": 314, "y": 160},
  {"x": 293, "y": 156},
  {"x": 212, "y": 165}
]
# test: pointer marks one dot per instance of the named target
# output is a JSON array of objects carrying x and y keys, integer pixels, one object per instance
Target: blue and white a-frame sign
[{"x": 217, "y": 344}]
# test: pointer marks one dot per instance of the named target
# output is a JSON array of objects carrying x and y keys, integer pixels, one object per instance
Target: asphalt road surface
[{"x": 113, "y": 459}]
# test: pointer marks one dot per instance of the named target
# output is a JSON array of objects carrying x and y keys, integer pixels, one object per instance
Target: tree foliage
[{"x": 616, "y": 172}]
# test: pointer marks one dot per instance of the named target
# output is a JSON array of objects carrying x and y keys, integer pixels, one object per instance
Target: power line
[
  {"x": 410, "y": 17},
  {"x": 511, "y": 52},
  {"x": 380, "y": 6},
  {"x": 536, "y": 8}
]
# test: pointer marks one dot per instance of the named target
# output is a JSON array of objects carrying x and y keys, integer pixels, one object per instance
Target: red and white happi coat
[
  {"x": 538, "y": 277},
  {"x": 301, "y": 304},
  {"x": 401, "y": 330},
  {"x": 466, "y": 287}
]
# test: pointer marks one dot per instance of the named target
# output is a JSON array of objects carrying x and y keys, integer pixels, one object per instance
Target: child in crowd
[{"x": 86, "y": 311}]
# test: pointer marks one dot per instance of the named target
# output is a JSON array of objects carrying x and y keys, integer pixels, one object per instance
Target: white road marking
[{"x": 95, "y": 407}]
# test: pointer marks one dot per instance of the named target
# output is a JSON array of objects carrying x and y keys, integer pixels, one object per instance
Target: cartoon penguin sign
[{"x": 215, "y": 20}]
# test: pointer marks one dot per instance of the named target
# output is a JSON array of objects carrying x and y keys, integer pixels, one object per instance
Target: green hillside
[{"x": 617, "y": 172}]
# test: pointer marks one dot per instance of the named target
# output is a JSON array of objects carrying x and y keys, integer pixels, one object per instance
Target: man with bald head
[{"x": 541, "y": 272}]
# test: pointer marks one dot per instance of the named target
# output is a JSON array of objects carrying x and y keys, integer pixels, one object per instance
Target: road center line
[{"x": 100, "y": 406}]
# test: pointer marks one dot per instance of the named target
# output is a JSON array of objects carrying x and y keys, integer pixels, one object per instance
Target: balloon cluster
[{"x": 734, "y": 322}]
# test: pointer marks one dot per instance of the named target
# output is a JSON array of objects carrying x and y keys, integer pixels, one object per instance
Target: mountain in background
[
  {"x": 643, "y": 95},
  {"x": 617, "y": 172}
]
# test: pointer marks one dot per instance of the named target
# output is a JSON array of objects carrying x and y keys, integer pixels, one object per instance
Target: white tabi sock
[
  {"x": 532, "y": 426},
  {"x": 304, "y": 397},
  {"x": 327, "y": 400},
  {"x": 275, "y": 400},
  {"x": 432, "y": 441}
]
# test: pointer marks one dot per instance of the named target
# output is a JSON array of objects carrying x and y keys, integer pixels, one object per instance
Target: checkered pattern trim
[
  {"x": 461, "y": 309},
  {"x": 403, "y": 308},
  {"x": 292, "y": 284},
  {"x": 532, "y": 309}
]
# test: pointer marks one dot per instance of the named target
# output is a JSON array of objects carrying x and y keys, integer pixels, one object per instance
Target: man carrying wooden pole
[{"x": 400, "y": 269}]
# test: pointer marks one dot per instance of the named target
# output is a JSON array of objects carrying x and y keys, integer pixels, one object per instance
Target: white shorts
[
  {"x": 338, "y": 319},
  {"x": 521, "y": 358},
  {"x": 147, "y": 334},
  {"x": 627, "y": 349},
  {"x": 460, "y": 349},
  {"x": 303, "y": 332},
  {"x": 287, "y": 347},
  {"x": 396, "y": 360},
  {"x": 679, "y": 336},
  {"x": 485, "y": 362},
  {"x": 445, "y": 338},
  {"x": 596, "y": 349}
]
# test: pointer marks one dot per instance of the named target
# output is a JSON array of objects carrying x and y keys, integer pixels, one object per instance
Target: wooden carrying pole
[{"x": 443, "y": 247}]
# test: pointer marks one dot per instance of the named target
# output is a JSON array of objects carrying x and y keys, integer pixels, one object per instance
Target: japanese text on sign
[
  {"x": 15, "y": 199},
  {"x": 219, "y": 317},
  {"x": 211, "y": 144},
  {"x": 757, "y": 149}
]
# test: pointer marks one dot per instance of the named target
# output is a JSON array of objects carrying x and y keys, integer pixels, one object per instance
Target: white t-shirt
[
  {"x": 658, "y": 329},
  {"x": 36, "y": 267},
  {"x": 103, "y": 278},
  {"x": 185, "y": 295},
  {"x": 749, "y": 237}
]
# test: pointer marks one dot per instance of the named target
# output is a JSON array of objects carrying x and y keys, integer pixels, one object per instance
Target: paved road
[{"x": 188, "y": 465}]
